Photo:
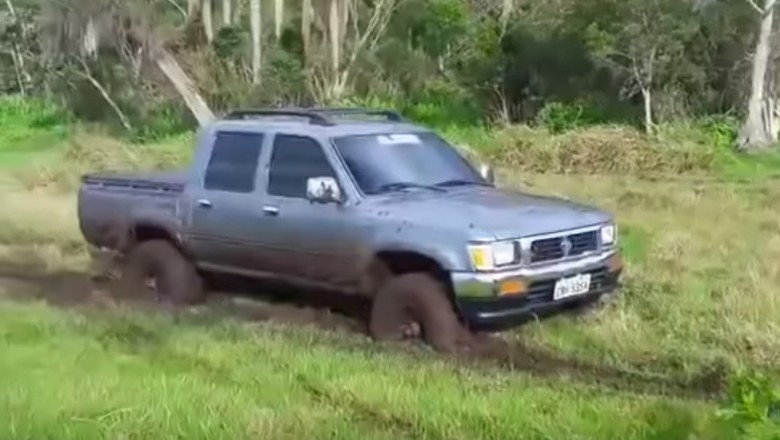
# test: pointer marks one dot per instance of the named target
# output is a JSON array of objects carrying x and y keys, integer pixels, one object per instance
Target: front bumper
[{"x": 482, "y": 303}]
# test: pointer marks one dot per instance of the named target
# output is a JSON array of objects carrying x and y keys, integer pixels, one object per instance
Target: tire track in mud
[
  {"x": 483, "y": 351},
  {"x": 494, "y": 352}
]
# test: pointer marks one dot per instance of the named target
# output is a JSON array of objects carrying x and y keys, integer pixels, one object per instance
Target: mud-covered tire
[
  {"x": 176, "y": 279},
  {"x": 418, "y": 298}
]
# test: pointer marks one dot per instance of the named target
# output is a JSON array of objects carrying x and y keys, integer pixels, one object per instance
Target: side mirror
[
  {"x": 487, "y": 172},
  {"x": 323, "y": 190}
]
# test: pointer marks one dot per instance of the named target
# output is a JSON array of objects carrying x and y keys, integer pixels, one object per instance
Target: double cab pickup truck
[{"x": 361, "y": 201}]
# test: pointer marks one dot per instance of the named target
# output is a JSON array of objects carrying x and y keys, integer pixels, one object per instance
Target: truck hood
[{"x": 500, "y": 213}]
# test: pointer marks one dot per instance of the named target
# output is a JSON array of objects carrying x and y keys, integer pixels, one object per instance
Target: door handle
[
  {"x": 206, "y": 203},
  {"x": 270, "y": 210}
]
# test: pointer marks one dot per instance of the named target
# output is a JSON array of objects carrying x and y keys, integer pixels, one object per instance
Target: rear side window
[
  {"x": 233, "y": 163},
  {"x": 294, "y": 160}
]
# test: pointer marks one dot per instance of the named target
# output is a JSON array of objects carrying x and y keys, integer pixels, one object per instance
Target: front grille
[{"x": 547, "y": 249}]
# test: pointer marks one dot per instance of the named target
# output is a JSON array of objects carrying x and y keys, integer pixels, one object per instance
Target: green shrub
[
  {"x": 594, "y": 150},
  {"x": 560, "y": 117},
  {"x": 752, "y": 408}
]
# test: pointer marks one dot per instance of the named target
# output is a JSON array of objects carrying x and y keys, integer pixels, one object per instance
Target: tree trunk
[
  {"x": 184, "y": 85},
  {"x": 335, "y": 42},
  {"x": 255, "y": 19},
  {"x": 227, "y": 12},
  {"x": 306, "y": 21},
  {"x": 647, "y": 97},
  {"x": 756, "y": 132},
  {"x": 208, "y": 25},
  {"x": 278, "y": 18},
  {"x": 192, "y": 9}
]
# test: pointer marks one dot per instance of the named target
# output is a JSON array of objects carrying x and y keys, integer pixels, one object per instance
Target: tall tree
[
  {"x": 307, "y": 16},
  {"x": 278, "y": 18},
  {"x": 227, "y": 12},
  {"x": 206, "y": 17},
  {"x": 759, "y": 130},
  {"x": 642, "y": 41},
  {"x": 255, "y": 20}
]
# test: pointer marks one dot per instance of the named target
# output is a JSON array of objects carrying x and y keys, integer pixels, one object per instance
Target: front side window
[
  {"x": 233, "y": 163},
  {"x": 382, "y": 162},
  {"x": 294, "y": 160}
]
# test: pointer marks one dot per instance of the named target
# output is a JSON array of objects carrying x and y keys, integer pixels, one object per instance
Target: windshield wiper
[
  {"x": 406, "y": 185},
  {"x": 461, "y": 182}
]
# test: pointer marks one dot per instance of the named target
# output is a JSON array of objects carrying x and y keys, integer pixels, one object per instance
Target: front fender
[{"x": 447, "y": 257}]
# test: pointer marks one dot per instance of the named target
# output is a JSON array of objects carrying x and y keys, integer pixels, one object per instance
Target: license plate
[{"x": 571, "y": 286}]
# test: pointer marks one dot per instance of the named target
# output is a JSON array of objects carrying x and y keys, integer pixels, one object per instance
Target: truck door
[
  {"x": 315, "y": 241},
  {"x": 226, "y": 204}
]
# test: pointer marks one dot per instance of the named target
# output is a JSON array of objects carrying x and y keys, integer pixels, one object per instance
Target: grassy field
[{"x": 698, "y": 309}]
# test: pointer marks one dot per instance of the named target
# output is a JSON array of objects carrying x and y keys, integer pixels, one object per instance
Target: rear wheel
[
  {"x": 160, "y": 264},
  {"x": 415, "y": 303}
]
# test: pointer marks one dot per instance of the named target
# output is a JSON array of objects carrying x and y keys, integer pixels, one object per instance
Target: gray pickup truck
[{"x": 377, "y": 206}]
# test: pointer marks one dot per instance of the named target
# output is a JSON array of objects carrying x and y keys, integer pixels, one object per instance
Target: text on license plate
[{"x": 571, "y": 286}]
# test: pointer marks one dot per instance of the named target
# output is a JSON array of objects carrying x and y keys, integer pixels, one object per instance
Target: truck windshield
[{"x": 389, "y": 162}]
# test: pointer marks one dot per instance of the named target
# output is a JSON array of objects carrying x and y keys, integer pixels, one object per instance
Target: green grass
[
  {"x": 30, "y": 131},
  {"x": 699, "y": 305},
  {"x": 119, "y": 375}
]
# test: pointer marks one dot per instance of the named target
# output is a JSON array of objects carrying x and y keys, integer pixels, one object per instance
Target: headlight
[
  {"x": 493, "y": 255},
  {"x": 608, "y": 235}
]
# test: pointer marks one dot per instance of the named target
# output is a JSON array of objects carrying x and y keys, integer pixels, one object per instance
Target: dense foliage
[{"x": 562, "y": 63}]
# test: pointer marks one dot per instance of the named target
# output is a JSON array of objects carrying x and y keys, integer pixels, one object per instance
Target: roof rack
[
  {"x": 313, "y": 118},
  {"x": 316, "y": 116},
  {"x": 391, "y": 115}
]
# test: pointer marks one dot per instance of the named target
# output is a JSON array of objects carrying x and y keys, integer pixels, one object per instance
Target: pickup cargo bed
[
  {"x": 160, "y": 181},
  {"x": 108, "y": 200}
]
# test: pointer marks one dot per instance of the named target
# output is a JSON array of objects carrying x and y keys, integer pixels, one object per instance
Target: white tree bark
[
  {"x": 206, "y": 16},
  {"x": 89, "y": 41},
  {"x": 647, "y": 97},
  {"x": 227, "y": 12},
  {"x": 334, "y": 26},
  {"x": 757, "y": 132},
  {"x": 184, "y": 85},
  {"x": 255, "y": 19},
  {"x": 278, "y": 18}
]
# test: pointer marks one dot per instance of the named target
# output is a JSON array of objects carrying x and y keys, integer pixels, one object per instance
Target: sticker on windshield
[{"x": 398, "y": 139}]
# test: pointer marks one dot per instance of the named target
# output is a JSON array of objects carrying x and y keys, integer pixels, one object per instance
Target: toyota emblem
[{"x": 566, "y": 246}]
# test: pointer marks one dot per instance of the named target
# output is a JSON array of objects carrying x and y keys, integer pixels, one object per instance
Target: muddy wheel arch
[
  {"x": 386, "y": 264},
  {"x": 121, "y": 236}
]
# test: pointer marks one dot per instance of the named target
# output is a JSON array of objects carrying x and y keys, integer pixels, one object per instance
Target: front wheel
[{"x": 415, "y": 300}]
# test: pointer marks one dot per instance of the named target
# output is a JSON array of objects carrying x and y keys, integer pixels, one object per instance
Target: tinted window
[
  {"x": 380, "y": 161},
  {"x": 294, "y": 160},
  {"x": 233, "y": 163}
]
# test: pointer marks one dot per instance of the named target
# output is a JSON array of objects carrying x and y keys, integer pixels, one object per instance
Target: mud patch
[{"x": 241, "y": 301}]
